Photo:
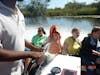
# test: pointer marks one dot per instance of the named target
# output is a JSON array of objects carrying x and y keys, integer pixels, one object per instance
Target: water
[{"x": 64, "y": 24}]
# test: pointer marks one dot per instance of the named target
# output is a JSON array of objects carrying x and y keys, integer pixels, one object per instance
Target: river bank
[
  {"x": 85, "y": 16},
  {"x": 78, "y": 16}
]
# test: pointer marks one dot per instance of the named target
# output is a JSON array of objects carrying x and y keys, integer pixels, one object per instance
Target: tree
[
  {"x": 35, "y": 8},
  {"x": 39, "y": 7}
]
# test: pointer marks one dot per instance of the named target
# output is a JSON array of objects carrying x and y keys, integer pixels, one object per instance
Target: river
[{"x": 65, "y": 25}]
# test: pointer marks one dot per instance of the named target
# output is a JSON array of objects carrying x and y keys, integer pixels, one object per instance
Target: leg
[
  {"x": 91, "y": 69},
  {"x": 90, "y": 72},
  {"x": 27, "y": 61}
]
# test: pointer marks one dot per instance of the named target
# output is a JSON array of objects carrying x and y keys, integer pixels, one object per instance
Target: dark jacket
[{"x": 88, "y": 44}]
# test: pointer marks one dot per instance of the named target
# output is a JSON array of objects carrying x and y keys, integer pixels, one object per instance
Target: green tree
[{"x": 35, "y": 8}]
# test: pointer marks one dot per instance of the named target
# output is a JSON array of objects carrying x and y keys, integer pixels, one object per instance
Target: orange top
[{"x": 55, "y": 46}]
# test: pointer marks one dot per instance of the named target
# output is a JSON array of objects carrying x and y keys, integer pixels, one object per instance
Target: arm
[
  {"x": 96, "y": 53},
  {"x": 86, "y": 47},
  {"x": 65, "y": 45},
  {"x": 47, "y": 41},
  {"x": 9, "y": 55},
  {"x": 29, "y": 45},
  {"x": 60, "y": 47}
]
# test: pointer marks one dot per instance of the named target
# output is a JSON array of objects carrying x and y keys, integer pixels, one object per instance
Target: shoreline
[
  {"x": 85, "y": 16},
  {"x": 77, "y": 16}
]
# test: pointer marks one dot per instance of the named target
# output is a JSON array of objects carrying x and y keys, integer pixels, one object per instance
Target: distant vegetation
[
  {"x": 71, "y": 9},
  {"x": 34, "y": 8},
  {"x": 74, "y": 8}
]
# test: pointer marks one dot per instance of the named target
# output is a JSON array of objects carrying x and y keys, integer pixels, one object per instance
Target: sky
[{"x": 61, "y": 3}]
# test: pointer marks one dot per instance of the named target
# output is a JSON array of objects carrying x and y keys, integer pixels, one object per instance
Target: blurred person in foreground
[{"x": 12, "y": 42}]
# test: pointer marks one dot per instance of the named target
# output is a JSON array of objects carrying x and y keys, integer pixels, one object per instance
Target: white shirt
[{"x": 11, "y": 38}]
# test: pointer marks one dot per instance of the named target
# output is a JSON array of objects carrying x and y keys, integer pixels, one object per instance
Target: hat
[{"x": 52, "y": 29}]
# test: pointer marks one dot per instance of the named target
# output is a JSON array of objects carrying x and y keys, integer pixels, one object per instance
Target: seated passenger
[
  {"x": 72, "y": 44},
  {"x": 54, "y": 40},
  {"x": 39, "y": 39},
  {"x": 89, "y": 53},
  {"x": 54, "y": 45}
]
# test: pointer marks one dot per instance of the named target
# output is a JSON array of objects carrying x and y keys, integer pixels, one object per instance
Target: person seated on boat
[
  {"x": 39, "y": 39},
  {"x": 98, "y": 58},
  {"x": 72, "y": 44},
  {"x": 54, "y": 40},
  {"x": 89, "y": 53},
  {"x": 53, "y": 43}
]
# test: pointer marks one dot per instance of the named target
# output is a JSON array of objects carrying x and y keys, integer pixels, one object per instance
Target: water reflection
[
  {"x": 64, "y": 24},
  {"x": 35, "y": 20},
  {"x": 47, "y": 20},
  {"x": 95, "y": 22}
]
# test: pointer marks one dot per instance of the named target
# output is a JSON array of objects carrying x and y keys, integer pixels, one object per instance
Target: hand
[
  {"x": 38, "y": 56},
  {"x": 64, "y": 52},
  {"x": 96, "y": 53},
  {"x": 38, "y": 49},
  {"x": 60, "y": 52},
  {"x": 99, "y": 54}
]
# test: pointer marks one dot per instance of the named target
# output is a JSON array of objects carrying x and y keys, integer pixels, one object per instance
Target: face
[
  {"x": 97, "y": 34},
  {"x": 75, "y": 34},
  {"x": 40, "y": 32},
  {"x": 55, "y": 33}
]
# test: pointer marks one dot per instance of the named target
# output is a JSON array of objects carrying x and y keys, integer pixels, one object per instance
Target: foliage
[
  {"x": 37, "y": 8},
  {"x": 34, "y": 8},
  {"x": 72, "y": 9}
]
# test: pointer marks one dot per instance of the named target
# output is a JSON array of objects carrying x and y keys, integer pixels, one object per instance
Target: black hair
[
  {"x": 41, "y": 28},
  {"x": 95, "y": 29}
]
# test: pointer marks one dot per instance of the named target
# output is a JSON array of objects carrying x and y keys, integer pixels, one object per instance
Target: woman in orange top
[{"x": 54, "y": 41}]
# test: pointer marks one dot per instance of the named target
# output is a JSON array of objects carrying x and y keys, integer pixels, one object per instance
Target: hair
[
  {"x": 75, "y": 29},
  {"x": 95, "y": 29},
  {"x": 42, "y": 30},
  {"x": 52, "y": 30}
]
